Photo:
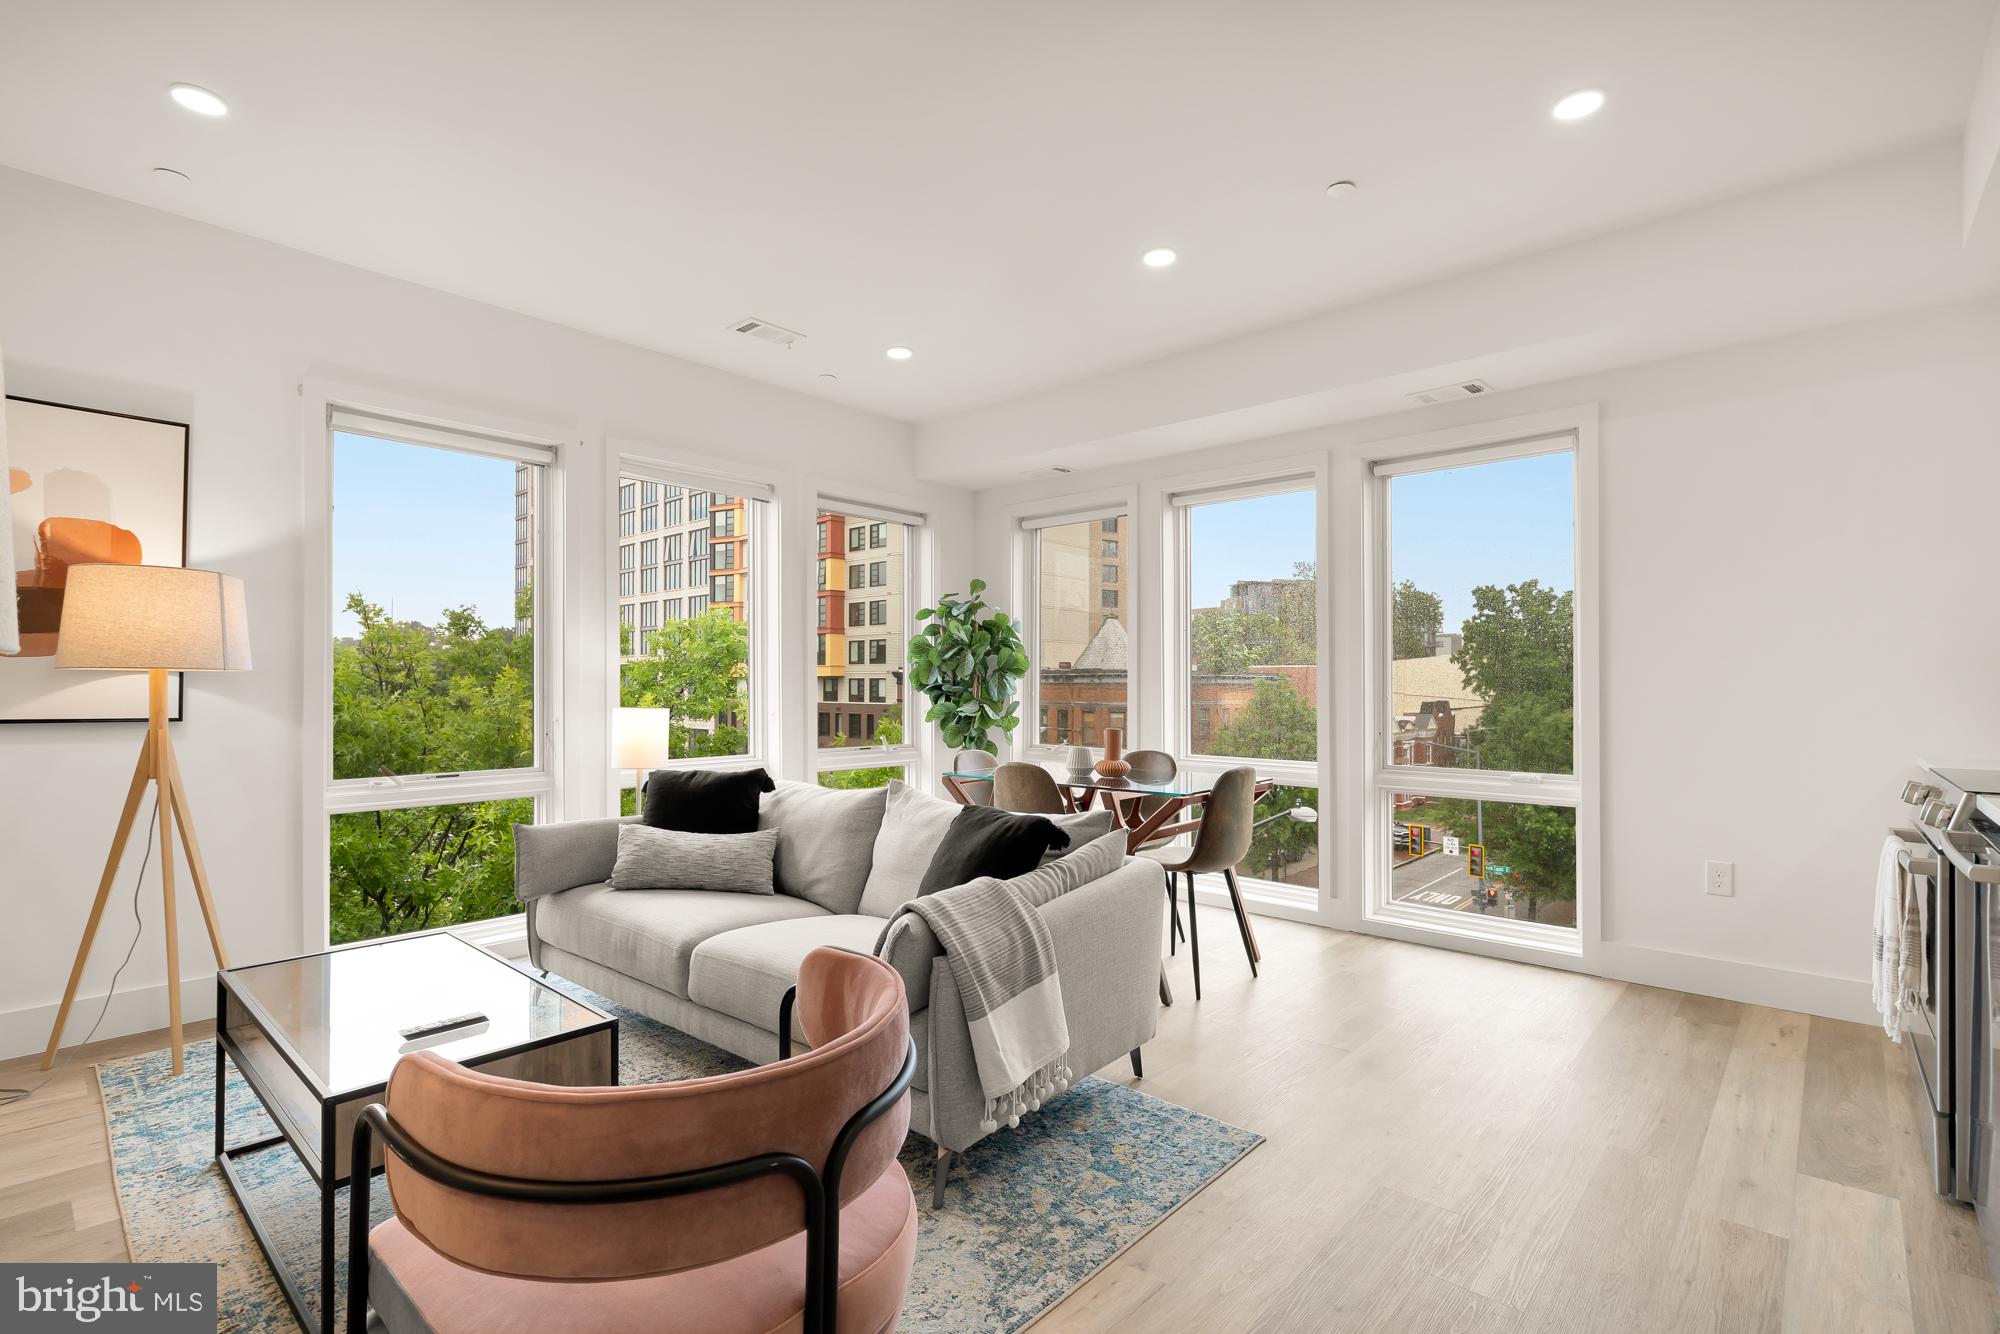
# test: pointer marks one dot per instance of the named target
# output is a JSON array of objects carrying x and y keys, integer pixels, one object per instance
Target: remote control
[{"x": 441, "y": 1026}]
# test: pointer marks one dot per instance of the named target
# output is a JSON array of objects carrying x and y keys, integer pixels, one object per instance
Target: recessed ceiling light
[
  {"x": 1160, "y": 257},
  {"x": 170, "y": 173},
  {"x": 1579, "y": 105},
  {"x": 198, "y": 100},
  {"x": 899, "y": 354},
  {"x": 1341, "y": 189}
]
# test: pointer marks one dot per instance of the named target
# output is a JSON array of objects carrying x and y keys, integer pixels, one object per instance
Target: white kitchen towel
[
  {"x": 10, "y": 614},
  {"x": 1888, "y": 942}
]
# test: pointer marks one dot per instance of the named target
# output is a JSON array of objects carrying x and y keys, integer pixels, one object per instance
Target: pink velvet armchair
[{"x": 766, "y": 1200}]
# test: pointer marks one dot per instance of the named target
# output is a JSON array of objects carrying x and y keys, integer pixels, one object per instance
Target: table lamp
[
  {"x": 639, "y": 741},
  {"x": 153, "y": 619}
]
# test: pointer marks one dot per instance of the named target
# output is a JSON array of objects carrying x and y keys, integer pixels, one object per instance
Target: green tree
[
  {"x": 700, "y": 669},
  {"x": 1277, "y": 844},
  {"x": 1279, "y": 723},
  {"x": 410, "y": 699},
  {"x": 1226, "y": 643},
  {"x": 1520, "y": 655},
  {"x": 1414, "y": 621}
]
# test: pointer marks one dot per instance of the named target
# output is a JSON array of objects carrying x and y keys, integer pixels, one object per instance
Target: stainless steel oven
[{"x": 1953, "y": 850}]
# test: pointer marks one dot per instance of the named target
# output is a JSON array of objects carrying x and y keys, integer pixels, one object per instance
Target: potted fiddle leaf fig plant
[{"x": 968, "y": 661}]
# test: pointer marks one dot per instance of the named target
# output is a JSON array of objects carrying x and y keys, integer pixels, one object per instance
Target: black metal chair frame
[{"x": 819, "y": 1187}]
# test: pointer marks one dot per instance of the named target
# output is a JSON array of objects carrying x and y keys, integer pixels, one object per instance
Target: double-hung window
[
  {"x": 1248, "y": 685},
  {"x": 862, "y": 734},
  {"x": 439, "y": 675},
  {"x": 702, "y": 658},
  {"x": 1080, "y": 637},
  {"x": 1475, "y": 791}
]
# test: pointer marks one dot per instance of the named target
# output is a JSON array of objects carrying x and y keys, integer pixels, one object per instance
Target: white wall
[
  {"x": 1793, "y": 533},
  {"x": 107, "y": 304}
]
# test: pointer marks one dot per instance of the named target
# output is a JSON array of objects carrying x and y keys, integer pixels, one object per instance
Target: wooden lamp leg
[
  {"x": 141, "y": 774},
  {"x": 163, "y": 778},
  {"x": 197, "y": 870}
]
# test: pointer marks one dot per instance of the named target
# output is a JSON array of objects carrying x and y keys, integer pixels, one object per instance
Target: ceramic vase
[
  {"x": 1113, "y": 764},
  {"x": 1079, "y": 759}
]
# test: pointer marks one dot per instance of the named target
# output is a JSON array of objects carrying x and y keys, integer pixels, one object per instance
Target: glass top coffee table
[{"x": 316, "y": 1038}]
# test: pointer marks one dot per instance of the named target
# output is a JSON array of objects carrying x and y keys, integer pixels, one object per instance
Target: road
[{"x": 1435, "y": 881}]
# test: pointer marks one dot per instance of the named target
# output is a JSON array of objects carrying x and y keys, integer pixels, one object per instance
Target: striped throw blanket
[{"x": 1004, "y": 961}]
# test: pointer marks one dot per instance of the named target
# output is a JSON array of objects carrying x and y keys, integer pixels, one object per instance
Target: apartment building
[
  {"x": 861, "y": 620},
  {"x": 679, "y": 551}
]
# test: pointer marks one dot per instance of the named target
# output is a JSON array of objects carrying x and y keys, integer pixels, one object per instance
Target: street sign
[
  {"x": 1475, "y": 860},
  {"x": 1450, "y": 845}
]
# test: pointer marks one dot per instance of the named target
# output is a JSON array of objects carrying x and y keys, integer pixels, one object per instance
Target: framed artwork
[{"x": 86, "y": 486}]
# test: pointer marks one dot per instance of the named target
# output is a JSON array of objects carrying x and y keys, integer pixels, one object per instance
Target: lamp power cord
[{"x": 8, "y": 1097}]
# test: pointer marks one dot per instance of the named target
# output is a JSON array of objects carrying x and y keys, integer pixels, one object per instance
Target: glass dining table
[{"x": 1149, "y": 810}]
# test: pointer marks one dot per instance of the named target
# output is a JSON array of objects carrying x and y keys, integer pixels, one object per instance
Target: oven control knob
[
  {"x": 1937, "y": 814},
  {"x": 1913, "y": 792}
]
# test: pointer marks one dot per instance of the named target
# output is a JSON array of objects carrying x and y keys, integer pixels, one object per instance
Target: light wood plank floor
[{"x": 1454, "y": 1144}]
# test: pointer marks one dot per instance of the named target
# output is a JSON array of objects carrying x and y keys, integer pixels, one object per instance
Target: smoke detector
[
  {"x": 1450, "y": 392},
  {"x": 769, "y": 332}
]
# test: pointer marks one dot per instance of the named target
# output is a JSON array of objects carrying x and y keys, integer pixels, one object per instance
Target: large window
[
  {"x": 436, "y": 675},
  {"x": 693, "y": 657},
  {"x": 1477, "y": 721},
  {"x": 1253, "y": 626},
  {"x": 862, "y": 696},
  {"x": 1082, "y": 641}
]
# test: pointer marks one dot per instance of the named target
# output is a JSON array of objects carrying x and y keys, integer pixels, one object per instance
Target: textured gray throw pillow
[
  {"x": 1093, "y": 861},
  {"x": 826, "y": 840},
  {"x": 651, "y": 858}
]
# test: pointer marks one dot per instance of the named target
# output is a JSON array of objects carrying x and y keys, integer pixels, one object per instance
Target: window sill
[{"x": 1535, "y": 937}]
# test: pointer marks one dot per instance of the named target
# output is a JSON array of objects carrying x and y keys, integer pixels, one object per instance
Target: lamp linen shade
[
  {"x": 639, "y": 738},
  {"x": 136, "y": 618}
]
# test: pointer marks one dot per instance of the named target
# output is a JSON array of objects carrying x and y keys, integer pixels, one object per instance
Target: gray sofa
[{"x": 716, "y": 965}]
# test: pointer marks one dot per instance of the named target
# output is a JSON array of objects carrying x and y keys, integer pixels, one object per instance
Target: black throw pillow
[
  {"x": 983, "y": 840},
  {"x": 705, "y": 801}
]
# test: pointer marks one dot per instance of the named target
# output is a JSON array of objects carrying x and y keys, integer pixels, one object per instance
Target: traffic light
[
  {"x": 1475, "y": 860},
  {"x": 1419, "y": 837}
]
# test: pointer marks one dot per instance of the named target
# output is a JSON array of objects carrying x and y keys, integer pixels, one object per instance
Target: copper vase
[{"x": 1113, "y": 764}]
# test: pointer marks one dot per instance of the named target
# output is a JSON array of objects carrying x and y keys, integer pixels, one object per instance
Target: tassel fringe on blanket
[{"x": 1048, "y": 1081}]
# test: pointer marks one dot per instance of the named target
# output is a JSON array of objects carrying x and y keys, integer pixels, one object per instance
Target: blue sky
[
  {"x": 1452, "y": 530},
  {"x": 420, "y": 530}
]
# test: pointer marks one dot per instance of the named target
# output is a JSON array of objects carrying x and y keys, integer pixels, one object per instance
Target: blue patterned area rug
[{"x": 1029, "y": 1215}]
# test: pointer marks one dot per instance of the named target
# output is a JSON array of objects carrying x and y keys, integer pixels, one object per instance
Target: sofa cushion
[
  {"x": 826, "y": 841},
  {"x": 651, "y": 858},
  {"x": 913, "y": 825},
  {"x": 705, "y": 801},
  {"x": 650, "y": 935},
  {"x": 745, "y": 973},
  {"x": 985, "y": 841}
]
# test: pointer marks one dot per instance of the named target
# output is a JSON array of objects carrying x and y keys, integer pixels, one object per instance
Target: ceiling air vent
[
  {"x": 1446, "y": 393},
  {"x": 769, "y": 332}
]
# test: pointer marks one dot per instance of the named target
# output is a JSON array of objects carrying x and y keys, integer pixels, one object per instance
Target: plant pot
[{"x": 1079, "y": 761}]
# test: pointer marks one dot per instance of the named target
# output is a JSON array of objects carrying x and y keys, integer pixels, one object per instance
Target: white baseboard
[
  {"x": 26, "y": 1030},
  {"x": 1734, "y": 979}
]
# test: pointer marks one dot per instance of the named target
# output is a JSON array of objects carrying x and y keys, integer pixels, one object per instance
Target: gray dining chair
[
  {"x": 1228, "y": 819},
  {"x": 1027, "y": 788}
]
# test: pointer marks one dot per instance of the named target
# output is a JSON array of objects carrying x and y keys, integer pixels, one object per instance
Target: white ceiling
[{"x": 976, "y": 181}]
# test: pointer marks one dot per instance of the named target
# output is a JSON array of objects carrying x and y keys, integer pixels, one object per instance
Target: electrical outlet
[{"x": 1719, "y": 878}]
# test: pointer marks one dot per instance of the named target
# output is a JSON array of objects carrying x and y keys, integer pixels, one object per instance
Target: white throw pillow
[{"x": 913, "y": 825}]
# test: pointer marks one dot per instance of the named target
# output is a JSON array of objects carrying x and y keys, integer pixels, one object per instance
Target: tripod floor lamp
[{"x": 153, "y": 619}]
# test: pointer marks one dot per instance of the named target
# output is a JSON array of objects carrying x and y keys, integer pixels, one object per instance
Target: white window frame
[
  {"x": 920, "y": 559},
  {"x": 1573, "y": 431},
  {"x": 1299, "y": 473},
  {"x": 1027, "y": 524},
  {"x": 761, "y": 596},
  {"x": 328, "y": 406}
]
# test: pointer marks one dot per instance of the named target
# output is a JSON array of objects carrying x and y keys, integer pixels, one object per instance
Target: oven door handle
[{"x": 1911, "y": 856}]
